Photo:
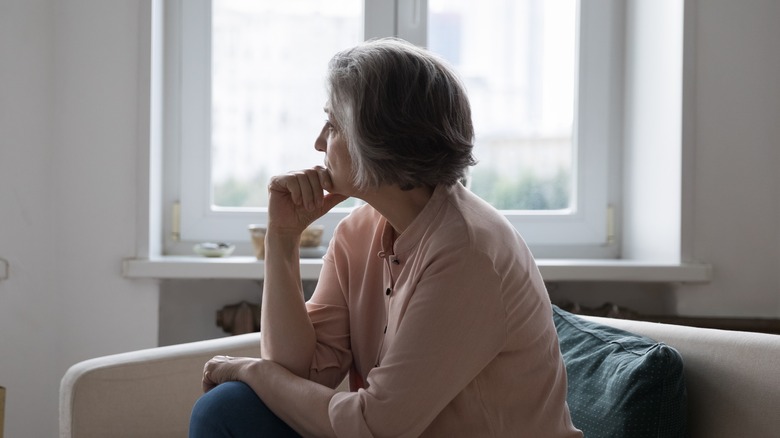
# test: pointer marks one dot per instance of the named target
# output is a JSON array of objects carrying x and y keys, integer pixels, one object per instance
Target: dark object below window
[
  {"x": 610, "y": 310},
  {"x": 238, "y": 319}
]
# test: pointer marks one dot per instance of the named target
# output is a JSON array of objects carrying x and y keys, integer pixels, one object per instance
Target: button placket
[{"x": 389, "y": 283}]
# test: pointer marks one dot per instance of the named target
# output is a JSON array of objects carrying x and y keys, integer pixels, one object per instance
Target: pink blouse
[{"x": 446, "y": 332}]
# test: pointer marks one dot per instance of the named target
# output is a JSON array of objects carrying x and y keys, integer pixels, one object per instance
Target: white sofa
[{"x": 733, "y": 383}]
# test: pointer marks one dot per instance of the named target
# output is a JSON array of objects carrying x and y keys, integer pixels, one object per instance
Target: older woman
[{"x": 428, "y": 298}]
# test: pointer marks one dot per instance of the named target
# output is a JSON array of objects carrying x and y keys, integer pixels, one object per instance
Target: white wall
[
  {"x": 652, "y": 131},
  {"x": 731, "y": 159},
  {"x": 735, "y": 216},
  {"x": 29, "y": 316},
  {"x": 69, "y": 84},
  {"x": 69, "y": 88}
]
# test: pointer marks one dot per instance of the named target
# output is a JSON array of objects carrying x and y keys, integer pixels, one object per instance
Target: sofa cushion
[{"x": 620, "y": 384}]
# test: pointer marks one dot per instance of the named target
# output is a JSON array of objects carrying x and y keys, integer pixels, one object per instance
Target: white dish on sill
[{"x": 214, "y": 249}]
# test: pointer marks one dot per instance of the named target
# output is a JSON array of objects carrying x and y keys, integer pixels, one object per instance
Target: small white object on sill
[{"x": 214, "y": 249}]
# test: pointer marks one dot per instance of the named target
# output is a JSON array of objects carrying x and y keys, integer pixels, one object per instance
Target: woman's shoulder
[
  {"x": 477, "y": 219},
  {"x": 362, "y": 220}
]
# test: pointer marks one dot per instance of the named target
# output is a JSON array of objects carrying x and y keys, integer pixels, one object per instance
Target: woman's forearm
[
  {"x": 300, "y": 403},
  {"x": 288, "y": 337}
]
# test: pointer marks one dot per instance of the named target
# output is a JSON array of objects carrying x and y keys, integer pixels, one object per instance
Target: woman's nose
[{"x": 320, "y": 144}]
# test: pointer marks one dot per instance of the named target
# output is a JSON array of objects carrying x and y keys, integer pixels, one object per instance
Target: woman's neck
[{"x": 399, "y": 207}]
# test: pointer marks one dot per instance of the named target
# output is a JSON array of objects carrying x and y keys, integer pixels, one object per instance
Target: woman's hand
[
  {"x": 221, "y": 369},
  {"x": 297, "y": 199},
  {"x": 300, "y": 402}
]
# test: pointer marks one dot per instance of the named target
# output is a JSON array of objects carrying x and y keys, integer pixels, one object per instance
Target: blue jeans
[{"x": 232, "y": 409}]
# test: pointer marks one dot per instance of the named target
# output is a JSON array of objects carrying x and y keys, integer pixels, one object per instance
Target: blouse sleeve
[
  {"x": 453, "y": 327},
  {"x": 329, "y": 315}
]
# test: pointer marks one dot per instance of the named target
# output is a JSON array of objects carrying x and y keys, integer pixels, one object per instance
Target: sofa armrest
[
  {"x": 731, "y": 376},
  {"x": 145, "y": 393}
]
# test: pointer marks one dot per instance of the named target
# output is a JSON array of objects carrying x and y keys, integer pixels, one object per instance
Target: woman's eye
[{"x": 329, "y": 126}]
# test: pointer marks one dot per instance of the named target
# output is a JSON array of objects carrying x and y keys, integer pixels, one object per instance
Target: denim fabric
[{"x": 232, "y": 409}]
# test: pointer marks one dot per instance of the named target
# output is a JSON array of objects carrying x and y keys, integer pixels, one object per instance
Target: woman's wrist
[
  {"x": 251, "y": 371},
  {"x": 282, "y": 250},
  {"x": 282, "y": 241}
]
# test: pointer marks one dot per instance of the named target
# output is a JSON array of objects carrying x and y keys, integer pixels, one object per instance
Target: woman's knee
[
  {"x": 217, "y": 411},
  {"x": 233, "y": 409}
]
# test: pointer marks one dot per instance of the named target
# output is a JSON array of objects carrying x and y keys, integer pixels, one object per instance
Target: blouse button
[{"x": 388, "y": 291}]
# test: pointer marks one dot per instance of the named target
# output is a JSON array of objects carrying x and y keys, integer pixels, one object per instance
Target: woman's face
[{"x": 332, "y": 141}]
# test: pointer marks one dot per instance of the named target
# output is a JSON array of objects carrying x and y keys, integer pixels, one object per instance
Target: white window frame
[{"x": 587, "y": 231}]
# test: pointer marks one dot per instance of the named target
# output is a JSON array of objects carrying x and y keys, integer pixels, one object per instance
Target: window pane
[
  {"x": 269, "y": 60},
  {"x": 517, "y": 59}
]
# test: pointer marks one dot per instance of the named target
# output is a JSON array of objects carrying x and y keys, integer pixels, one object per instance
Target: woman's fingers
[
  {"x": 324, "y": 177},
  {"x": 319, "y": 181},
  {"x": 209, "y": 380},
  {"x": 305, "y": 187},
  {"x": 221, "y": 369},
  {"x": 297, "y": 199},
  {"x": 286, "y": 184},
  {"x": 310, "y": 188}
]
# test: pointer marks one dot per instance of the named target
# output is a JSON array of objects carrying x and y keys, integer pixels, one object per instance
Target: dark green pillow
[{"x": 620, "y": 384}]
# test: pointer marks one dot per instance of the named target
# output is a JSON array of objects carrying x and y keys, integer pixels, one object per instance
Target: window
[{"x": 244, "y": 96}]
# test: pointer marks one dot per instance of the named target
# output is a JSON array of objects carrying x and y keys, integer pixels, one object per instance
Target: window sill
[{"x": 188, "y": 267}]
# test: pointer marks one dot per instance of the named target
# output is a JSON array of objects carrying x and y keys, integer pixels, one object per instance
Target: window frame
[{"x": 588, "y": 231}]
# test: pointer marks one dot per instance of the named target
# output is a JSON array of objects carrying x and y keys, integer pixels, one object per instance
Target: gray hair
[{"x": 404, "y": 112}]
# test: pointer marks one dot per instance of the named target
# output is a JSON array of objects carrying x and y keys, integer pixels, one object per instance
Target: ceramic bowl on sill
[{"x": 214, "y": 249}]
